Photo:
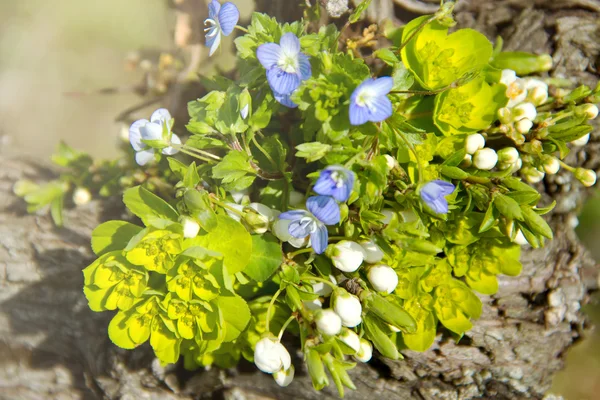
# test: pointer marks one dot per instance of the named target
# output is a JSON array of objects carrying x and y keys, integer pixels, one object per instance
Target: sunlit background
[{"x": 49, "y": 49}]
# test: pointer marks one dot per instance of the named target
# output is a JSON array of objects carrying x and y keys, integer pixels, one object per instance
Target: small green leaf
[
  {"x": 489, "y": 220},
  {"x": 313, "y": 151},
  {"x": 236, "y": 316},
  {"x": 508, "y": 207},
  {"x": 453, "y": 172},
  {"x": 199, "y": 205},
  {"x": 266, "y": 257},
  {"x": 359, "y": 10},
  {"x": 390, "y": 312},
  {"x": 191, "y": 177},
  {"x": 113, "y": 236},
  {"x": 380, "y": 340},
  {"x": 150, "y": 208},
  {"x": 56, "y": 210},
  {"x": 536, "y": 223},
  {"x": 235, "y": 171}
]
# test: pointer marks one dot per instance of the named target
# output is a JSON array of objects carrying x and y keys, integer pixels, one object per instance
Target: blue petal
[
  {"x": 213, "y": 42},
  {"x": 305, "y": 67},
  {"x": 290, "y": 44},
  {"x": 162, "y": 114},
  {"x": 324, "y": 184},
  {"x": 446, "y": 188},
  {"x": 380, "y": 109},
  {"x": 324, "y": 208},
  {"x": 135, "y": 137},
  {"x": 439, "y": 205},
  {"x": 213, "y": 9},
  {"x": 319, "y": 238},
  {"x": 228, "y": 18},
  {"x": 382, "y": 86},
  {"x": 281, "y": 81},
  {"x": 268, "y": 54},
  {"x": 341, "y": 193},
  {"x": 294, "y": 214},
  {"x": 358, "y": 115},
  {"x": 285, "y": 99},
  {"x": 301, "y": 228}
]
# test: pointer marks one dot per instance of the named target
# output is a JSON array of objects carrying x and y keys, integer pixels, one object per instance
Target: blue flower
[
  {"x": 286, "y": 66},
  {"x": 433, "y": 195},
  {"x": 221, "y": 20},
  {"x": 335, "y": 181},
  {"x": 369, "y": 101},
  {"x": 322, "y": 211},
  {"x": 142, "y": 129}
]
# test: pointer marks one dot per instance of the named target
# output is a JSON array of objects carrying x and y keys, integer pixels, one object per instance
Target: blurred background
[{"x": 55, "y": 57}]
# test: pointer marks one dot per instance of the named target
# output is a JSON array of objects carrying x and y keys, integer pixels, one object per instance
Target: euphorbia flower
[
  {"x": 142, "y": 129},
  {"x": 369, "y": 101},
  {"x": 221, "y": 20},
  {"x": 322, "y": 211},
  {"x": 286, "y": 66},
  {"x": 433, "y": 195},
  {"x": 335, "y": 181}
]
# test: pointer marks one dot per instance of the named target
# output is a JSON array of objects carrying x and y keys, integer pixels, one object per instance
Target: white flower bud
[
  {"x": 586, "y": 176},
  {"x": 505, "y": 115},
  {"x": 551, "y": 165},
  {"x": 467, "y": 161},
  {"x": 299, "y": 243},
  {"x": 366, "y": 351},
  {"x": 284, "y": 377},
  {"x": 532, "y": 175},
  {"x": 508, "y": 76},
  {"x": 348, "y": 307},
  {"x": 520, "y": 239},
  {"x": 323, "y": 289},
  {"x": 582, "y": 141},
  {"x": 525, "y": 110},
  {"x": 328, "y": 322},
  {"x": 280, "y": 229},
  {"x": 350, "y": 338},
  {"x": 244, "y": 114},
  {"x": 313, "y": 305},
  {"x": 347, "y": 256},
  {"x": 508, "y": 155},
  {"x": 390, "y": 161},
  {"x": 485, "y": 159},
  {"x": 264, "y": 210},
  {"x": 474, "y": 142},
  {"x": 296, "y": 198},
  {"x": 81, "y": 196},
  {"x": 383, "y": 278},
  {"x": 373, "y": 253},
  {"x": 388, "y": 215},
  {"x": 523, "y": 126},
  {"x": 538, "y": 95},
  {"x": 589, "y": 110},
  {"x": 271, "y": 356},
  {"x": 190, "y": 227}
]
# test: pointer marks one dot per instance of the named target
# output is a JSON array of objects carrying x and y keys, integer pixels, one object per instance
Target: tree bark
[{"x": 53, "y": 347}]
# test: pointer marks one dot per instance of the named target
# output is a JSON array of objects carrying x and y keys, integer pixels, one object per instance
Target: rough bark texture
[{"x": 53, "y": 347}]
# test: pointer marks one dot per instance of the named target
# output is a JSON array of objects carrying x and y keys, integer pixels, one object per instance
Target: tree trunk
[{"x": 53, "y": 347}]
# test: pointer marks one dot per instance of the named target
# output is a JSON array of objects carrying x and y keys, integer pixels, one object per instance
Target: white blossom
[
  {"x": 348, "y": 307},
  {"x": 383, "y": 278},
  {"x": 190, "y": 227},
  {"x": 328, "y": 322},
  {"x": 474, "y": 142},
  {"x": 347, "y": 256},
  {"x": 365, "y": 352},
  {"x": 485, "y": 159},
  {"x": 372, "y": 252},
  {"x": 284, "y": 377},
  {"x": 271, "y": 356}
]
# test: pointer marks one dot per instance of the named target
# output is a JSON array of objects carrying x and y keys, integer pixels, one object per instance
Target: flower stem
[
  {"x": 262, "y": 150},
  {"x": 566, "y": 166},
  {"x": 198, "y": 156},
  {"x": 201, "y": 152},
  {"x": 290, "y": 319},
  {"x": 298, "y": 252},
  {"x": 316, "y": 279},
  {"x": 225, "y": 206},
  {"x": 241, "y": 28},
  {"x": 268, "y": 318}
]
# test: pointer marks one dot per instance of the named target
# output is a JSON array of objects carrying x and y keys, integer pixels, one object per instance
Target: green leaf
[
  {"x": 390, "y": 312},
  {"x": 522, "y": 63},
  {"x": 113, "y": 236},
  {"x": 236, "y": 316},
  {"x": 387, "y": 56},
  {"x": 524, "y": 196},
  {"x": 358, "y": 11},
  {"x": 150, "y": 208},
  {"x": 200, "y": 206},
  {"x": 235, "y": 171},
  {"x": 232, "y": 240},
  {"x": 313, "y": 151},
  {"x": 118, "y": 330},
  {"x": 191, "y": 177},
  {"x": 381, "y": 341},
  {"x": 489, "y": 219},
  {"x": 508, "y": 207},
  {"x": 178, "y": 168},
  {"x": 453, "y": 172},
  {"x": 56, "y": 210},
  {"x": 536, "y": 223},
  {"x": 266, "y": 257}
]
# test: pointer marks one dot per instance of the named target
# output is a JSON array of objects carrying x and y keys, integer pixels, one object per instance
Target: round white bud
[
  {"x": 586, "y": 176},
  {"x": 508, "y": 76},
  {"x": 505, "y": 115},
  {"x": 523, "y": 126},
  {"x": 350, "y": 338},
  {"x": 372, "y": 252},
  {"x": 485, "y": 159},
  {"x": 467, "y": 161},
  {"x": 365, "y": 352},
  {"x": 271, "y": 356},
  {"x": 551, "y": 165},
  {"x": 525, "y": 110},
  {"x": 323, "y": 289},
  {"x": 532, "y": 175},
  {"x": 280, "y": 229},
  {"x": 190, "y": 227},
  {"x": 589, "y": 110},
  {"x": 582, "y": 141},
  {"x": 328, "y": 322},
  {"x": 520, "y": 239},
  {"x": 348, "y": 307},
  {"x": 347, "y": 256},
  {"x": 264, "y": 210},
  {"x": 390, "y": 161},
  {"x": 474, "y": 142},
  {"x": 284, "y": 377},
  {"x": 81, "y": 196},
  {"x": 538, "y": 95},
  {"x": 383, "y": 278},
  {"x": 508, "y": 155}
]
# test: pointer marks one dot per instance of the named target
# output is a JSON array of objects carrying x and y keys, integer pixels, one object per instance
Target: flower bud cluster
[
  {"x": 271, "y": 357},
  {"x": 478, "y": 155}
]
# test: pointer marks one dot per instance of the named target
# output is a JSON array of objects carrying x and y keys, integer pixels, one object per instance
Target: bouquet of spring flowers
[{"x": 340, "y": 198}]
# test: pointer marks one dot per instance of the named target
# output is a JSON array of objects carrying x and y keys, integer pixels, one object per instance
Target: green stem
[
  {"x": 201, "y": 152},
  {"x": 566, "y": 166},
  {"x": 414, "y": 151},
  {"x": 316, "y": 279},
  {"x": 290, "y": 319},
  {"x": 268, "y": 318},
  {"x": 298, "y": 252},
  {"x": 338, "y": 238},
  {"x": 198, "y": 156},
  {"x": 241, "y": 28},
  {"x": 262, "y": 150},
  {"x": 225, "y": 206}
]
